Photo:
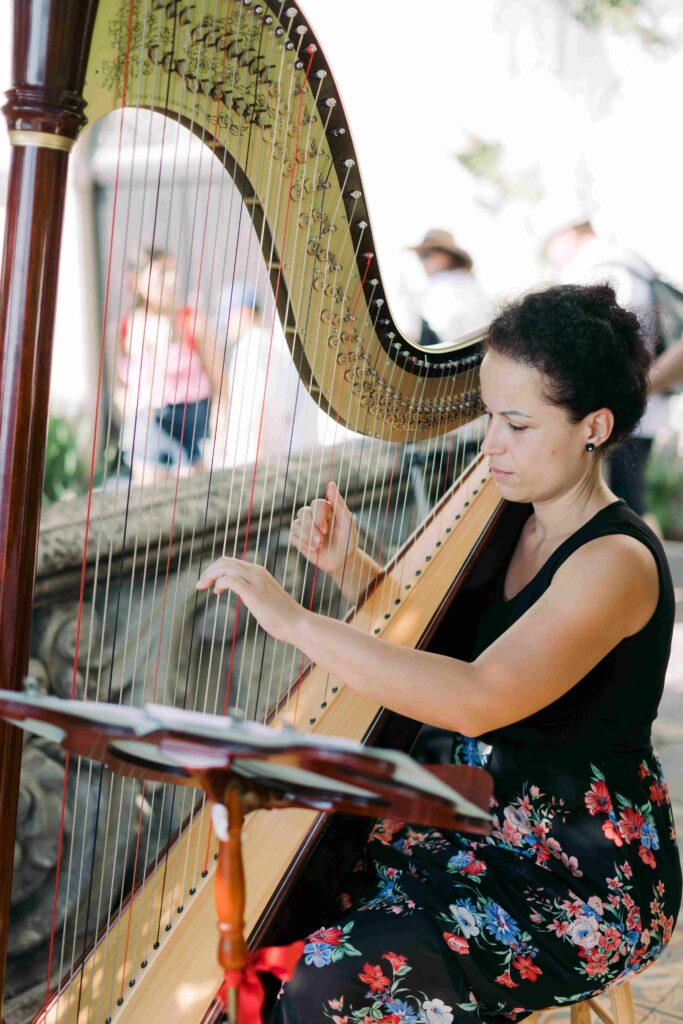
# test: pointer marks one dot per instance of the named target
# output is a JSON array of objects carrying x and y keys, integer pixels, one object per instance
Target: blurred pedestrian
[
  {"x": 452, "y": 303},
  {"x": 581, "y": 257},
  {"x": 164, "y": 383},
  {"x": 269, "y": 413}
]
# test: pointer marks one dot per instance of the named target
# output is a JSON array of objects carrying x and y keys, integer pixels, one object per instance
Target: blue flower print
[
  {"x": 460, "y": 861},
  {"x": 403, "y": 1011},
  {"x": 649, "y": 837},
  {"x": 499, "y": 924},
  {"x": 318, "y": 953}
]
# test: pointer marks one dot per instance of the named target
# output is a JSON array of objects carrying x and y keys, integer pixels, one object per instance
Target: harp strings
[{"x": 257, "y": 685}]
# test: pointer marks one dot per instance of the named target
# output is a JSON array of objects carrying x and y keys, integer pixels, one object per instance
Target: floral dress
[{"x": 577, "y": 886}]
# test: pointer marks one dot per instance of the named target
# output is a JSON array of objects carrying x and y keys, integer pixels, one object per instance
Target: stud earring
[{"x": 590, "y": 447}]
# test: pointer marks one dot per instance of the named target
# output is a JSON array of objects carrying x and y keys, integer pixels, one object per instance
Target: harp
[{"x": 110, "y": 917}]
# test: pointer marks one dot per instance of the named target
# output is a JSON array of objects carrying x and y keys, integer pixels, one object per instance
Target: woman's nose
[{"x": 492, "y": 443}]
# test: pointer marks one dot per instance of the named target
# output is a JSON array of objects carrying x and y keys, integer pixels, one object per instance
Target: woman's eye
[{"x": 513, "y": 427}]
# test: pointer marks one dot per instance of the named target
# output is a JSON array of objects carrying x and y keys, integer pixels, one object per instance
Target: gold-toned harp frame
[{"x": 250, "y": 80}]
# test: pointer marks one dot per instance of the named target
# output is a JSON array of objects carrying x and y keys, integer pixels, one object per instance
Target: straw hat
[{"x": 439, "y": 240}]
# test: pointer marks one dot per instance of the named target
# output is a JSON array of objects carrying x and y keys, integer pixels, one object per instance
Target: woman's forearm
[
  {"x": 667, "y": 370},
  {"x": 358, "y": 573},
  {"x": 431, "y": 688}
]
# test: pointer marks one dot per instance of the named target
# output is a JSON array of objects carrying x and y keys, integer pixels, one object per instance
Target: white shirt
[
  {"x": 266, "y": 398},
  {"x": 452, "y": 302}
]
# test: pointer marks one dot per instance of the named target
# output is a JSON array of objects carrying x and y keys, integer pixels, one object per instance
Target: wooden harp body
[{"x": 129, "y": 933}]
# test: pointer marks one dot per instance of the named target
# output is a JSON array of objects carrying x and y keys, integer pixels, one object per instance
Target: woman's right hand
[{"x": 325, "y": 532}]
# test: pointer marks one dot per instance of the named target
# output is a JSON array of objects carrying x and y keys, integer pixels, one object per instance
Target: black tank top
[{"x": 614, "y": 705}]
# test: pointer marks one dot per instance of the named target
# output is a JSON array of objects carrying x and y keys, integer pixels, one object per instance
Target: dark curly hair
[{"x": 590, "y": 350}]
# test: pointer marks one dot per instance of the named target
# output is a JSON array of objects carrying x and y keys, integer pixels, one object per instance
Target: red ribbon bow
[{"x": 278, "y": 960}]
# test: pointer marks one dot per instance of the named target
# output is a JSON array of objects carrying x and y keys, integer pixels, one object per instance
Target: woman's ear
[{"x": 599, "y": 426}]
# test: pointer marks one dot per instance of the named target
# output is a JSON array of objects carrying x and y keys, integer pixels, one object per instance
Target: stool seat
[{"x": 621, "y": 999}]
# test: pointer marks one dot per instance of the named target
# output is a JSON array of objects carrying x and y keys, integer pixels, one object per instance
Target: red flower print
[
  {"x": 657, "y": 794},
  {"x": 384, "y": 831},
  {"x": 628, "y": 901},
  {"x": 473, "y": 867},
  {"x": 661, "y": 888},
  {"x": 627, "y": 869},
  {"x": 647, "y": 856},
  {"x": 526, "y": 968},
  {"x": 396, "y": 960},
  {"x": 340, "y": 1020},
  {"x": 597, "y": 964},
  {"x": 643, "y": 771},
  {"x": 655, "y": 907},
  {"x": 332, "y": 936},
  {"x": 610, "y": 940},
  {"x": 374, "y": 978},
  {"x": 668, "y": 928},
  {"x": 559, "y": 927},
  {"x": 393, "y": 1018},
  {"x": 631, "y": 824},
  {"x": 612, "y": 832},
  {"x": 505, "y": 979},
  {"x": 456, "y": 943},
  {"x": 633, "y": 920},
  {"x": 597, "y": 799}
]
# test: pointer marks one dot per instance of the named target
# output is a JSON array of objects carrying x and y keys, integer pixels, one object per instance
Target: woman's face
[{"x": 535, "y": 452}]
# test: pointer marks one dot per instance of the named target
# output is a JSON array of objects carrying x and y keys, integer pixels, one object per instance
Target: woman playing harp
[{"x": 580, "y": 882}]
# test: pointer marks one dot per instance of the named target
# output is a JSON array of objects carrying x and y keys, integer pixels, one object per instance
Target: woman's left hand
[{"x": 270, "y": 604}]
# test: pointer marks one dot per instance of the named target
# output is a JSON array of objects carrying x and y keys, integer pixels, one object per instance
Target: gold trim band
[{"x": 45, "y": 140}]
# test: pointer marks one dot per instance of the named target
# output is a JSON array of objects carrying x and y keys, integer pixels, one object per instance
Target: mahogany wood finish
[{"x": 51, "y": 40}]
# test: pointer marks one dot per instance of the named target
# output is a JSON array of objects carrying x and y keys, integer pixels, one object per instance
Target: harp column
[{"x": 44, "y": 113}]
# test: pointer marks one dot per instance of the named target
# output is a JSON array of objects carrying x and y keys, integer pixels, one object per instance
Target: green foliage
[
  {"x": 486, "y": 161},
  {"x": 64, "y": 469},
  {"x": 664, "y": 491},
  {"x": 66, "y": 473},
  {"x": 636, "y": 17}
]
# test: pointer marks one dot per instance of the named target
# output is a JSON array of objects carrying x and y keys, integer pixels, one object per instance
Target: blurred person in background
[
  {"x": 163, "y": 371},
  {"x": 580, "y": 256},
  {"x": 451, "y": 303},
  {"x": 267, "y": 412}
]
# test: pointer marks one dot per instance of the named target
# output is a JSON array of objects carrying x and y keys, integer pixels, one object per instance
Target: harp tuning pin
[
  {"x": 362, "y": 225},
  {"x": 391, "y": 336},
  {"x": 396, "y": 344},
  {"x": 299, "y": 65},
  {"x": 320, "y": 74},
  {"x": 291, "y": 12},
  {"x": 337, "y": 132},
  {"x": 258, "y": 9},
  {"x": 377, "y": 302},
  {"x": 374, "y": 282},
  {"x": 330, "y": 103},
  {"x": 289, "y": 45},
  {"x": 279, "y": 31},
  {"x": 348, "y": 164}
]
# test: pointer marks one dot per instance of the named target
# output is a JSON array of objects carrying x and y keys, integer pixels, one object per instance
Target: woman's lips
[{"x": 499, "y": 474}]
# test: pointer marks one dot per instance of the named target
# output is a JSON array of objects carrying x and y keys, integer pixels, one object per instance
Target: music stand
[{"x": 244, "y": 766}]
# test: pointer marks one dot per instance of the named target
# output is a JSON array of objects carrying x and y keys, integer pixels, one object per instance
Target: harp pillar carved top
[{"x": 50, "y": 52}]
